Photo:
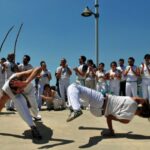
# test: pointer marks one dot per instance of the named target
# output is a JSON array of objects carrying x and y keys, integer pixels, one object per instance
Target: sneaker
[
  {"x": 35, "y": 133},
  {"x": 74, "y": 115}
]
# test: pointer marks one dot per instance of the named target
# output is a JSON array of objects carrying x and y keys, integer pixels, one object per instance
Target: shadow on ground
[
  {"x": 7, "y": 113},
  {"x": 96, "y": 139},
  {"x": 46, "y": 133}
]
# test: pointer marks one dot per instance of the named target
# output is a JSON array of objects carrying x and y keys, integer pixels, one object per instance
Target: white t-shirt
[
  {"x": 2, "y": 77},
  {"x": 115, "y": 81},
  {"x": 8, "y": 90},
  {"x": 146, "y": 74},
  {"x": 23, "y": 67},
  {"x": 122, "y": 69},
  {"x": 9, "y": 66},
  {"x": 100, "y": 76},
  {"x": 131, "y": 76},
  {"x": 44, "y": 79},
  {"x": 81, "y": 69},
  {"x": 64, "y": 73}
]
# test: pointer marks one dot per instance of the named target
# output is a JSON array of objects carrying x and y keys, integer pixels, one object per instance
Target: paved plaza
[{"x": 82, "y": 133}]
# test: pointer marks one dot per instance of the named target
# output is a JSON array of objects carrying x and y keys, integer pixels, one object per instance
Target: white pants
[
  {"x": 101, "y": 87},
  {"x": 146, "y": 88},
  {"x": 22, "y": 108},
  {"x": 131, "y": 88},
  {"x": 39, "y": 93},
  {"x": 114, "y": 87},
  {"x": 63, "y": 85},
  {"x": 94, "y": 98}
]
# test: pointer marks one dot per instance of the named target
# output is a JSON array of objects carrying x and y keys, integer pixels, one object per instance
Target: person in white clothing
[
  {"x": 101, "y": 84},
  {"x": 81, "y": 70},
  {"x": 20, "y": 89},
  {"x": 9, "y": 70},
  {"x": 90, "y": 75},
  {"x": 63, "y": 73},
  {"x": 131, "y": 73},
  {"x": 118, "y": 108},
  {"x": 2, "y": 72},
  {"x": 25, "y": 64},
  {"x": 145, "y": 74},
  {"x": 43, "y": 78},
  {"x": 114, "y": 76},
  {"x": 53, "y": 100}
]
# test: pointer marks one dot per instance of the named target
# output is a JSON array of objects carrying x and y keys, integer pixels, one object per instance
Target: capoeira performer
[
  {"x": 145, "y": 74},
  {"x": 114, "y": 76},
  {"x": 25, "y": 64},
  {"x": 9, "y": 66},
  {"x": 81, "y": 70},
  {"x": 131, "y": 73},
  {"x": 52, "y": 98},
  {"x": 43, "y": 78},
  {"x": 101, "y": 84},
  {"x": 20, "y": 89},
  {"x": 118, "y": 108},
  {"x": 2, "y": 72},
  {"x": 63, "y": 74}
]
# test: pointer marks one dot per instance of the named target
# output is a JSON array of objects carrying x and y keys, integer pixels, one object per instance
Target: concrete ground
[{"x": 82, "y": 133}]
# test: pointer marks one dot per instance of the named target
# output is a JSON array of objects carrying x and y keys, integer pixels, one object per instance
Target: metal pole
[{"x": 97, "y": 32}]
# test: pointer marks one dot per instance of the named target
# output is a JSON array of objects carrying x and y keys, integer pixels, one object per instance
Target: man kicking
[
  {"x": 118, "y": 108},
  {"x": 20, "y": 89}
]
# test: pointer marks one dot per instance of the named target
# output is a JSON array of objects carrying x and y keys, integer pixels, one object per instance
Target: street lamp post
[{"x": 86, "y": 13}]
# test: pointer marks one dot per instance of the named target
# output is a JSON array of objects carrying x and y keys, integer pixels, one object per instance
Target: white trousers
[
  {"x": 131, "y": 89},
  {"x": 146, "y": 88},
  {"x": 114, "y": 88},
  {"x": 22, "y": 108},
  {"x": 63, "y": 85},
  {"x": 94, "y": 98}
]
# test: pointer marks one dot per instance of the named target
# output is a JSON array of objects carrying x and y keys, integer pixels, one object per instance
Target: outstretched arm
[
  {"x": 29, "y": 75},
  {"x": 109, "y": 120}
]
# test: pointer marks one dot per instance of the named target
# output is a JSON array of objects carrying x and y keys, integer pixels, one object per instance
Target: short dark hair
[
  {"x": 3, "y": 59},
  {"x": 83, "y": 58},
  {"x": 42, "y": 62},
  {"x": 121, "y": 59},
  {"x": 147, "y": 56},
  {"x": 131, "y": 59},
  {"x": 102, "y": 64},
  {"x": 28, "y": 57},
  {"x": 113, "y": 62}
]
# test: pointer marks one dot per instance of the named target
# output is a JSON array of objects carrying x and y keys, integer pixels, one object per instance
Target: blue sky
[{"x": 55, "y": 28}]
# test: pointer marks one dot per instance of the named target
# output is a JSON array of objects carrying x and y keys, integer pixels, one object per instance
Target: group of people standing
[{"x": 118, "y": 80}]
